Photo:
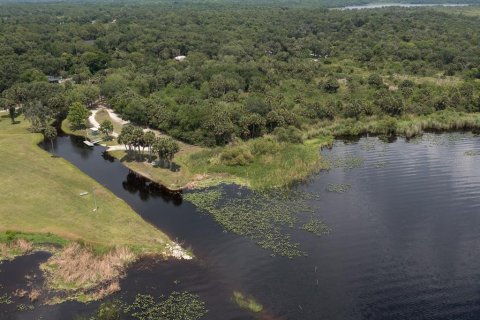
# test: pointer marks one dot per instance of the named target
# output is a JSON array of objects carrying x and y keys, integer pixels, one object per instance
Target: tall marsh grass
[
  {"x": 407, "y": 126},
  {"x": 82, "y": 273}
]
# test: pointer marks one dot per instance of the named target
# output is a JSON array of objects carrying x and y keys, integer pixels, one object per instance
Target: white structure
[{"x": 180, "y": 58}]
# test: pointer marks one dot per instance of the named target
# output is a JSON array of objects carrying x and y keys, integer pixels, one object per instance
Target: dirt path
[
  {"x": 92, "y": 119},
  {"x": 184, "y": 147},
  {"x": 113, "y": 116}
]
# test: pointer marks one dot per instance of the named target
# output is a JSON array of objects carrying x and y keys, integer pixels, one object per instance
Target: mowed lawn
[{"x": 41, "y": 194}]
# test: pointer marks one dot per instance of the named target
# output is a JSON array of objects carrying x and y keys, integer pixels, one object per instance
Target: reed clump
[
  {"x": 406, "y": 126},
  {"x": 79, "y": 273},
  {"x": 12, "y": 249}
]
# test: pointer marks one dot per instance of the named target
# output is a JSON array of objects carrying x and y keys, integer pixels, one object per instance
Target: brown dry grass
[
  {"x": 20, "y": 293},
  {"x": 23, "y": 245},
  {"x": 34, "y": 294},
  {"x": 13, "y": 249},
  {"x": 84, "y": 275}
]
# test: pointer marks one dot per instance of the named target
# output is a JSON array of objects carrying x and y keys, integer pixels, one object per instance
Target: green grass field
[{"x": 41, "y": 194}]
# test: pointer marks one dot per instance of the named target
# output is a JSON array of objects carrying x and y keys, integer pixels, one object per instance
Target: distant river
[
  {"x": 403, "y": 5},
  {"x": 405, "y": 239}
]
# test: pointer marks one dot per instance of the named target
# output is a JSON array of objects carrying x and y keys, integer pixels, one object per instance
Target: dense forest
[
  {"x": 246, "y": 71},
  {"x": 294, "y": 3}
]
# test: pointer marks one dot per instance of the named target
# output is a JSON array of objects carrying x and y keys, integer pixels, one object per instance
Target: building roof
[{"x": 180, "y": 58}]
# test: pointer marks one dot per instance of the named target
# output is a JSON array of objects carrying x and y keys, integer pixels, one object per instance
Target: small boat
[{"x": 88, "y": 143}]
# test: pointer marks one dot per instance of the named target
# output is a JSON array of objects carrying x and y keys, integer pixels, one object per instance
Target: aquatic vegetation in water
[
  {"x": 346, "y": 162},
  {"x": 379, "y": 164},
  {"x": 317, "y": 227},
  {"x": 472, "y": 153},
  {"x": 432, "y": 139},
  {"x": 339, "y": 188},
  {"x": 368, "y": 144},
  {"x": 177, "y": 306},
  {"x": 5, "y": 299},
  {"x": 23, "y": 307},
  {"x": 264, "y": 217},
  {"x": 246, "y": 302}
]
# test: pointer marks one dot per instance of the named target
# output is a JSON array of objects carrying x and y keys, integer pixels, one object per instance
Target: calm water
[
  {"x": 402, "y": 5},
  {"x": 405, "y": 240}
]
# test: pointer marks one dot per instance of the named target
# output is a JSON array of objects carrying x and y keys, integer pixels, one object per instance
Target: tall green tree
[
  {"x": 149, "y": 139},
  {"x": 78, "y": 115},
  {"x": 166, "y": 148},
  {"x": 106, "y": 127}
]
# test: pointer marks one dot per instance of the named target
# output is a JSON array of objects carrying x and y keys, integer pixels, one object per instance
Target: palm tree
[{"x": 149, "y": 139}]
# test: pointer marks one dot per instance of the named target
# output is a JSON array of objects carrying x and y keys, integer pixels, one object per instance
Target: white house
[{"x": 180, "y": 58}]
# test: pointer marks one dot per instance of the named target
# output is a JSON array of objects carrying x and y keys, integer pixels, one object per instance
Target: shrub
[
  {"x": 290, "y": 134},
  {"x": 330, "y": 85},
  {"x": 265, "y": 145},
  {"x": 238, "y": 155},
  {"x": 375, "y": 81},
  {"x": 318, "y": 110},
  {"x": 353, "y": 109},
  {"x": 391, "y": 104}
]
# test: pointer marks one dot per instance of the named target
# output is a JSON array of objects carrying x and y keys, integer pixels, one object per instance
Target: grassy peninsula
[{"x": 41, "y": 205}]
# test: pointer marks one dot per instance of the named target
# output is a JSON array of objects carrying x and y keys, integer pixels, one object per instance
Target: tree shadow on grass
[
  {"x": 130, "y": 157},
  {"x": 7, "y": 116},
  {"x": 172, "y": 166}
]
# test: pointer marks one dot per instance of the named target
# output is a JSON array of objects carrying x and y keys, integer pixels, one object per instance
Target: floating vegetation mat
[
  {"x": 247, "y": 302},
  {"x": 432, "y": 139},
  {"x": 176, "y": 306},
  {"x": 472, "y": 153},
  {"x": 265, "y": 218},
  {"x": 346, "y": 162},
  {"x": 379, "y": 164},
  {"x": 370, "y": 144},
  {"x": 339, "y": 188}
]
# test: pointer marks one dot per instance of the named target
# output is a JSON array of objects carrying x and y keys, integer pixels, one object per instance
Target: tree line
[{"x": 249, "y": 70}]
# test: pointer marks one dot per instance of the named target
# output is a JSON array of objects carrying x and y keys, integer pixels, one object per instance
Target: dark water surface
[{"x": 405, "y": 239}]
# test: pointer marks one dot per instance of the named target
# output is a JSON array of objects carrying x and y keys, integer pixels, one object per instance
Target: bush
[
  {"x": 391, "y": 104},
  {"x": 375, "y": 80},
  {"x": 290, "y": 134},
  {"x": 265, "y": 145},
  {"x": 331, "y": 85},
  {"x": 354, "y": 109},
  {"x": 318, "y": 110},
  {"x": 238, "y": 155}
]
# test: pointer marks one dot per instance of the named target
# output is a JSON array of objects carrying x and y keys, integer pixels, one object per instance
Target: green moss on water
[{"x": 246, "y": 302}]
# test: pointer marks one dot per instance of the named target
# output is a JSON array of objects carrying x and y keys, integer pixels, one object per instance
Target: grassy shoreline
[
  {"x": 291, "y": 163},
  {"x": 35, "y": 216}
]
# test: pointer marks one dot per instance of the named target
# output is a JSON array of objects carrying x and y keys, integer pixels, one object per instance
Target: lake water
[
  {"x": 404, "y": 244},
  {"x": 401, "y": 5}
]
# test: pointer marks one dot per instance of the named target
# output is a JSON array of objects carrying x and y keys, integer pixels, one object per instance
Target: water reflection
[
  {"x": 146, "y": 189},
  {"x": 404, "y": 241}
]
